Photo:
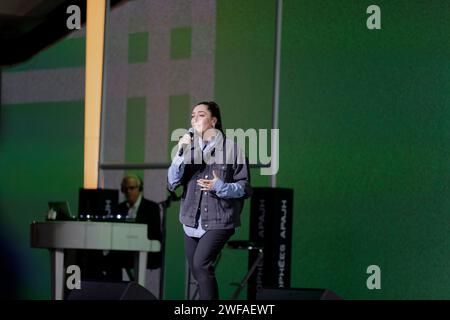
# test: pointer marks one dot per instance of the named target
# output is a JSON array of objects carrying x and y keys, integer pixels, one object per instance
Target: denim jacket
[{"x": 216, "y": 209}]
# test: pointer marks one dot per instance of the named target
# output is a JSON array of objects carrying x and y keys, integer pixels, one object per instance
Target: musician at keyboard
[{"x": 137, "y": 209}]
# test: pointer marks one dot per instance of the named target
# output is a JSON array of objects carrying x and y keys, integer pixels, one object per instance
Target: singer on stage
[{"x": 215, "y": 177}]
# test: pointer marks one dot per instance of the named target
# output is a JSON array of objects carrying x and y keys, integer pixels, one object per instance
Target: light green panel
[
  {"x": 138, "y": 47},
  {"x": 244, "y": 60}
]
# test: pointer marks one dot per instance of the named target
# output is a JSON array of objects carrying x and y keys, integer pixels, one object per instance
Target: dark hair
[{"x": 215, "y": 112}]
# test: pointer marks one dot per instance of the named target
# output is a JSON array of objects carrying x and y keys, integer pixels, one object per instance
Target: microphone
[{"x": 191, "y": 133}]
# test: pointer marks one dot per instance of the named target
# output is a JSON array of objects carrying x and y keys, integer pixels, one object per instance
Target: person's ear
[{"x": 214, "y": 121}]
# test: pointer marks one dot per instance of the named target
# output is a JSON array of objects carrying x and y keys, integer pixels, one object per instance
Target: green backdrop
[{"x": 365, "y": 125}]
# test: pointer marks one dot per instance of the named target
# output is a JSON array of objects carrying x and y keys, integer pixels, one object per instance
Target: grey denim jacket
[{"x": 216, "y": 212}]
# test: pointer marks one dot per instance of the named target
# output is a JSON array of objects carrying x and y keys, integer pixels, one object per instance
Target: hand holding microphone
[{"x": 185, "y": 141}]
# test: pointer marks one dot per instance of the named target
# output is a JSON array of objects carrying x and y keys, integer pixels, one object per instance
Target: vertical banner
[{"x": 271, "y": 225}]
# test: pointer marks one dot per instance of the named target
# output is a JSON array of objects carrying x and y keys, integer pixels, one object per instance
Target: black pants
[{"x": 201, "y": 254}]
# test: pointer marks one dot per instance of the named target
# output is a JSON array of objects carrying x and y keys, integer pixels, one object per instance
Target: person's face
[
  {"x": 201, "y": 119},
  {"x": 130, "y": 190}
]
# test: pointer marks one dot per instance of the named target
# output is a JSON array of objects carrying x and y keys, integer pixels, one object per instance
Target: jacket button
[
  {"x": 206, "y": 209},
  {"x": 206, "y": 177},
  {"x": 206, "y": 226},
  {"x": 206, "y": 192}
]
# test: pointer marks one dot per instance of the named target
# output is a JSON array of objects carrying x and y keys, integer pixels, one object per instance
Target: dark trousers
[{"x": 201, "y": 254}]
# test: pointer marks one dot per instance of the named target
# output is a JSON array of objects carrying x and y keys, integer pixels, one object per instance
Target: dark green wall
[{"x": 365, "y": 128}]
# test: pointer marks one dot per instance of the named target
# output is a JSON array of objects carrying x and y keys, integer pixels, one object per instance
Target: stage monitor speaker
[
  {"x": 91, "y": 290},
  {"x": 296, "y": 294}
]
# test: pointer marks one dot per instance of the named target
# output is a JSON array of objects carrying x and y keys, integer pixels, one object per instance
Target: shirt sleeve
[
  {"x": 228, "y": 190},
  {"x": 175, "y": 173}
]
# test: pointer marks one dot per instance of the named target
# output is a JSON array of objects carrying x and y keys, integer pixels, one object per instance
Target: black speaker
[
  {"x": 271, "y": 220},
  {"x": 91, "y": 290},
  {"x": 296, "y": 294}
]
